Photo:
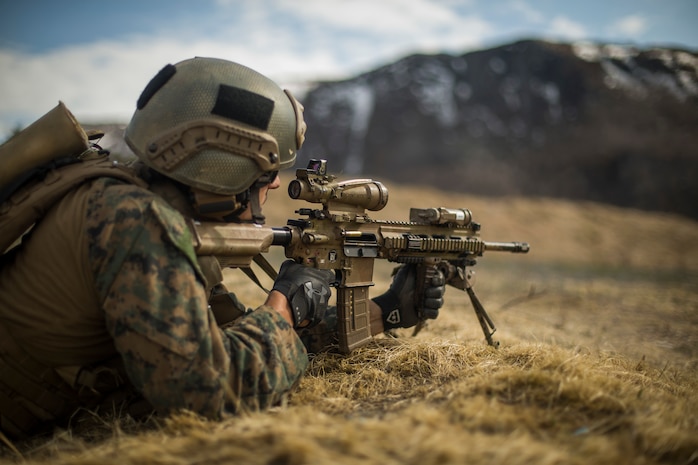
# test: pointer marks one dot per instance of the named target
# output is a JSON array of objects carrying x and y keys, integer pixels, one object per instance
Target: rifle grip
[
  {"x": 426, "y": 272},
  {"x": 354, "y": 317}
]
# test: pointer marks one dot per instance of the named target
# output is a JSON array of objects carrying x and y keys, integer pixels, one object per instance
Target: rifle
[{"x": 341, "y": 237}]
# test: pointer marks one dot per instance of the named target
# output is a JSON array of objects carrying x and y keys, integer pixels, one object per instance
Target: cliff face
[{"x": 596, "y": 122}]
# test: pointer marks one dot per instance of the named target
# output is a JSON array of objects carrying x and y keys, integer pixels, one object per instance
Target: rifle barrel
[{"x": 513, "y": 247}]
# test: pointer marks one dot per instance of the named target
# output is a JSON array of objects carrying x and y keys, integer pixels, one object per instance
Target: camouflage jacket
[{"x": 110, "y": 271}]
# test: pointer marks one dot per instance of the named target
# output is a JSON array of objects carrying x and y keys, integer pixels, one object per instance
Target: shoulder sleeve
[{"x": 156, "y": 311}]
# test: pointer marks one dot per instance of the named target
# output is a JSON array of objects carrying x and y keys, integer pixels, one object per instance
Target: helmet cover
[{"x": 215, "y": 125}]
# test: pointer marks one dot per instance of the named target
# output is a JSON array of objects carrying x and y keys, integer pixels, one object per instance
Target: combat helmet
[{"x": 218, "y": 127}]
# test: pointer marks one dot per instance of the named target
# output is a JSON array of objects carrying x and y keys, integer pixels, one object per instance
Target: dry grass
[
  {"x": 599, "y": 333},
  {"x": 437, "y": 402}
]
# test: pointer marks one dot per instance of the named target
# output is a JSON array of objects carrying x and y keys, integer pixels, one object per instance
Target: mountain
[{"x": 582, "y": 121}]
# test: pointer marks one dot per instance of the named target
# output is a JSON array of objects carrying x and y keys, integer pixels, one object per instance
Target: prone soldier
[{"x": 105, "y": 301}]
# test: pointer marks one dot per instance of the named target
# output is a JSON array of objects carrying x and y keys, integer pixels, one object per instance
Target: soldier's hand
[
  {"x": 398, "y": 306},
  {"x": 307, "y": 290}
]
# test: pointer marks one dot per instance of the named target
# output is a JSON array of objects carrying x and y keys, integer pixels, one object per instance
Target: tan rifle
[{"x": 341, "y": 237}]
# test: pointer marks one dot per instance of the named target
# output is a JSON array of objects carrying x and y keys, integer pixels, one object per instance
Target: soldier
[{"x": 106, "y": 301}]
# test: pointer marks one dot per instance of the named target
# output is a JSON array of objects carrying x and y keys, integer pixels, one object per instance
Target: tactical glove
[
  {"x": 398, "y": 306},
  {"x": 307, "y": 290}
]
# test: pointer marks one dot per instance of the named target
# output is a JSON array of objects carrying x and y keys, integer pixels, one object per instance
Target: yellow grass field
[{"x": 598, "y": 362}]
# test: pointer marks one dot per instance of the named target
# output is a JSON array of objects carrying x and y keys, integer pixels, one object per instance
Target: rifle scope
[{"x": 364, "y": 193}]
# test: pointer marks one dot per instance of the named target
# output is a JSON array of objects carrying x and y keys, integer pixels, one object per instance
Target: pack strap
[
  {"x": 30, "y": 203},
  {"x": 38, "y": 172}
]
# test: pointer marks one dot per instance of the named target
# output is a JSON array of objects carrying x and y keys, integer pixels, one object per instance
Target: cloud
[
  {"x": 632, "y": 26},
  {"x": 364, "y": 32},
  {"x": 563, "y": 27},
  {"x": 527, "y": 12},
  {"x": 101, "y": 80},
  {"x": 287, "y": 40}
]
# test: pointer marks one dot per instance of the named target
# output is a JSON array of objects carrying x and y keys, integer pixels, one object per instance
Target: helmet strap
[
  {"x": 229, "y": 207},
  {"x": 218, "y": 207},
  {"x": 256, "y": 207}
]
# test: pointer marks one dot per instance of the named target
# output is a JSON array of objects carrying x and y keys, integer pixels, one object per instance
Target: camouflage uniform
[{"x": 111, "y": 271}]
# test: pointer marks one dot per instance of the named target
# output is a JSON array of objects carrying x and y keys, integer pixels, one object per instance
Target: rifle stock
[
  {"x": 235, "y": 245},
  {"x": 341, "y": 237}
]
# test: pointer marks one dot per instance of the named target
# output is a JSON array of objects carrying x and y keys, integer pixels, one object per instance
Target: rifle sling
[{"x": 264, "y": 264}]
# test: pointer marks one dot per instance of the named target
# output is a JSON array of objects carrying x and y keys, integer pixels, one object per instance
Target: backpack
[{"x": 39, "y": 165}]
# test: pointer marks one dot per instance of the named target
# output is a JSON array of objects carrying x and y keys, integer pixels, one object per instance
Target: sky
[{"x": 97, "y": 56}]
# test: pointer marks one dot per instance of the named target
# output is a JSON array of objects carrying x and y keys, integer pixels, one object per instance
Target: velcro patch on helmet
[
  {"x": 243, "y": 106},
  {"x": 155, "y": 84}
]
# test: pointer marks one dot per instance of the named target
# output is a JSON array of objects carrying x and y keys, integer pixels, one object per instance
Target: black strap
[
  {"x": 267, "y": 267},
  {"x": 37, "y": 172}
]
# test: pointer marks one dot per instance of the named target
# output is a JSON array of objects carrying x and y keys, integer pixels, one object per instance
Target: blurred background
[{"x": 592, "y": 100}]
